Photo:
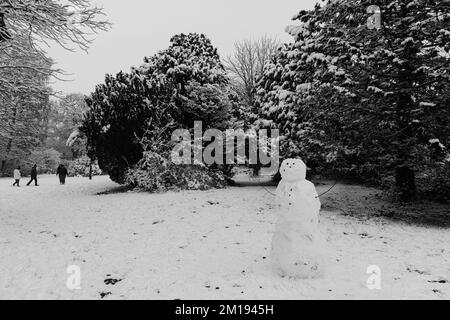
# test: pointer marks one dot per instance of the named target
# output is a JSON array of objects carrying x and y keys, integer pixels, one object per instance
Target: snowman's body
[{"x": 297, "y": 245}]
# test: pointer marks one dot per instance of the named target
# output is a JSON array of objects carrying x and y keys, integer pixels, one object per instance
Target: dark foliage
[{"x": 137, "y": 112}]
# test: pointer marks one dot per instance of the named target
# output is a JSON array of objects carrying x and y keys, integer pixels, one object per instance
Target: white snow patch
[{"x": 196, "y": 245}]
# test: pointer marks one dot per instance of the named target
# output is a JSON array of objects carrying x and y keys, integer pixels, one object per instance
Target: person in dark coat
[
  {"x": 62, "y": 173},
  {"x": 33, "y": 175}
]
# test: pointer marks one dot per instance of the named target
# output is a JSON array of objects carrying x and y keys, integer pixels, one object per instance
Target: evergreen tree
[
  {"x": 171, "y": 90},
  {"x": 369, "y": 99}
]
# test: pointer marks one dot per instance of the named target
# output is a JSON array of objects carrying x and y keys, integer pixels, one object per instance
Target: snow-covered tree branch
[{"x": 27, "y": 27}]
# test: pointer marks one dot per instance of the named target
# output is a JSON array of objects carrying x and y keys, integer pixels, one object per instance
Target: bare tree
[
  {"x": 27, "y": 27},
  {"x": 70, "y": 23},
  {"x": 16, "y": 65},
  {"x": 245, "y": 67},
  {"x": 247, "y": 64}
]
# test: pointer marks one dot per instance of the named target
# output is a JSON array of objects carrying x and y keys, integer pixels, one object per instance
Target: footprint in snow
[
  {"x": 421, "y": 272},
  {"x": 442, "y": 281},
  {"x": 105, "y": 294},
  {"x": 111, "y": 281},
  {"x": 364, "y": 235}
]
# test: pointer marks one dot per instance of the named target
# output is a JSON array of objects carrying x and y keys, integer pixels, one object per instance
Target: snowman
[{"x": 297, "y": 245}]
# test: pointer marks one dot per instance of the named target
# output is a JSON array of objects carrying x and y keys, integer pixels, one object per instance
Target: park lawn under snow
[{"x": 199, "y": 245}]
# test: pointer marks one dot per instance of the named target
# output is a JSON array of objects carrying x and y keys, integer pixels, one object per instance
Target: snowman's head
[{"x": 293, "y": 170}]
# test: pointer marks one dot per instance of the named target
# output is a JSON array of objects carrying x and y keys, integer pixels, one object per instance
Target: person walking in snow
[
  {"x": 33, "y": 175},
  {"x": 62, "y": 173},
  {"x": 17, "y": 176}
]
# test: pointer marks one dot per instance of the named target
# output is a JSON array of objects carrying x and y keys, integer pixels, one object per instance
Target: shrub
[
  {"x": 154, "y": 173},
  {"x": 435, "y": 183},
  {"x": 81, "y": 168}
]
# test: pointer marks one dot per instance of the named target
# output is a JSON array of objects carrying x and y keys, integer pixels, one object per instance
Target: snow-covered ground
[{"x": 197, "y": 245}]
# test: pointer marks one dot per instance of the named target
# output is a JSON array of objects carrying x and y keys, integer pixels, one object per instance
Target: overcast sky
[{"x": 143, "y": 27}]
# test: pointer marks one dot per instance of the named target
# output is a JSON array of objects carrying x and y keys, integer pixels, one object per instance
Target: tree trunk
[
  {"x": 90, "y": 170},
  {"x": 7, "y": 151},
  {"x": 2, "y": 167},
  {"x": 405, "y": 183}
]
